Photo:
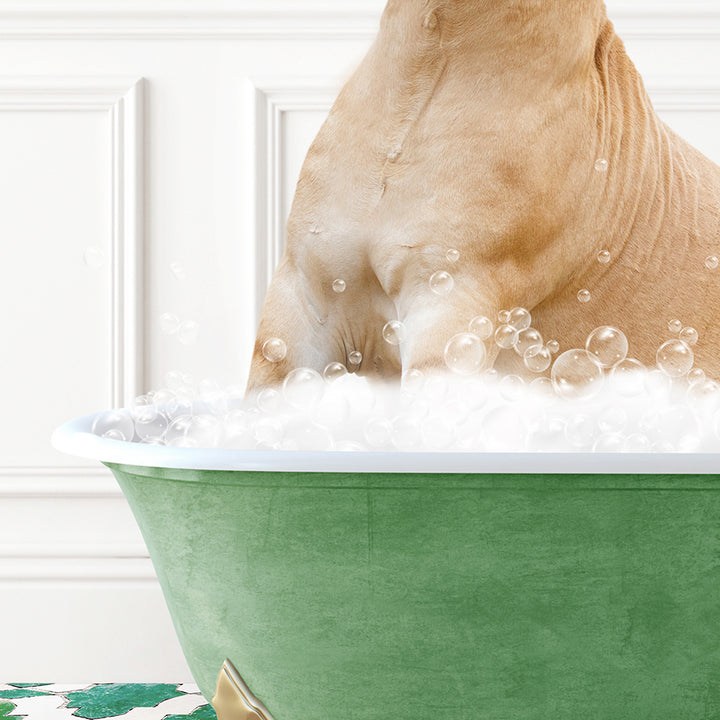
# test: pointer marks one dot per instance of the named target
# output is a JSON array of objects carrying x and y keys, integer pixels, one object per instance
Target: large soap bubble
[
  {"x": 607, "y": 346},
  {"x": 675, "y": 358},
  {"x": 465, "y": 354},
  {"x": 576, "y": 376}
]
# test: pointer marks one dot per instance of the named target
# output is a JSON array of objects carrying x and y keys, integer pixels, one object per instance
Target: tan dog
[{"x": 476, "y": 125}]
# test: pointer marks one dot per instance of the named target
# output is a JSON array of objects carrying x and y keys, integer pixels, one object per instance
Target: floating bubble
[
  {"x": 543, "y": 387},
  {"x": 355, "y": 357},
  {"x": 143, "y": 408},
  {"x": 442, "y": 283},
  {"x": 506, "y": 336},
  {"x": 465, "y": 354},
  {"x": 512, "y": 388},
  {"x": 453, "y": 255},
  {"x": 503, "y": 317},
  {"x": 334, "y": 370},
  {"x": 169, "y": 323},
  {"x": 413, "y": 380},
  {"x": 675, "y": 358},
  {"x": 575, "y": 375},
  {"x": 481, "y": 326},
  {"x": 188, "y": 332},
  {"x": 526, "y": 339},
  {"x": 305, "y": 435},
  {"x": 177, "y": 431},
  {"x": 151, "y": 428},
  {"x": 115, "y": 425},
  {"x": 627, "y": 377},
  {"x": 94, "y": 257},
  {"x": 519, "y": 318},
  {"x": 689, "y": 335},
  {"x": 537, "y": 358},
  {"x": 711, "y": 262},
  {"x": 603, "y": 257},
  {"x": 696, "y": 375},
  {"x": 274, "y": 350},
  {"x": 394, "y": 332},
  {"x": 269, "y": 400},
  {"x": 178, "y": 270},
  {"x": 584, "y": 296},
  {"x": 602, "y": 165},
  {"x": 303, "y": 387},
  {"x": 607, "y": 346},
  {"x": 613, "y": 419},
  {"x": 339, "y": 286},
  {"x": 675, "y": 326},
  {"x": 553, "y": 346},
  {"x": 377, "y": 432}
]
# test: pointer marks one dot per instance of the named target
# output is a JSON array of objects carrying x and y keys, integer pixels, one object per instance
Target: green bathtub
[{"x": 361, "y": 592}]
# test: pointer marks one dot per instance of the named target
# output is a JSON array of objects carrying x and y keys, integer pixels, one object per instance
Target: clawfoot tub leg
[{"x": 233, "y": 700}]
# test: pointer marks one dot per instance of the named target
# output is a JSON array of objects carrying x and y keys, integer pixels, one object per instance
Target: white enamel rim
[{"x": 75, "y": 438}]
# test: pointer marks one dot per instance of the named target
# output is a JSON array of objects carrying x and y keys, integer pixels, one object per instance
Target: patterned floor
[{"x": 49, "y": 701}]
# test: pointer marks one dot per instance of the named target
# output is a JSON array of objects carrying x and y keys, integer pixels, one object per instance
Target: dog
[{"x": 508, "y": 144}]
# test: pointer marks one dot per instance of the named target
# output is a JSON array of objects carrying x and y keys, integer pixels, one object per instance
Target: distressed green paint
[
  {"x": 205, "y": 712},
  {"x": 102, "y": 701},
  {"x": 511, "y": 597},
  {"x": 20, "y": 693},
  {"x": 29, "y": 685},
  {"x": 5, "y": 709}
]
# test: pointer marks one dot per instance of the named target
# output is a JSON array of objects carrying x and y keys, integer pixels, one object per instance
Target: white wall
[{"x": 144, "y": 134}]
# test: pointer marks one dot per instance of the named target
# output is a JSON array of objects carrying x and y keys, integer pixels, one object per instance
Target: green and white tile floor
[{"x": 132, "y": 701}]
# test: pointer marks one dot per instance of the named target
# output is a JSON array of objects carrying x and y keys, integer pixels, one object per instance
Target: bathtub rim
[{"x": 75, "y": 438}]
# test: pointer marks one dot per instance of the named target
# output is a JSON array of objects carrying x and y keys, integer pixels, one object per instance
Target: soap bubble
[
  {"x": 512, "y": 387},
  {"x": 603, "y": 257},
  {"x": 711, "y": 262},
  {"x": 442, "y": 283},
  {"x": 584, "y": 296},
  {"x": 151, "y": 428},
  {"x": 406, "y": 431},
  {"x": 481, "y": 326},
  {"x": 613, "y": 419},
  {"x": 609, "y": 442},
  {"x": 188, "y": 332},
  {"x": 355, "y": 357},
  {"x": 306, "y": 435},
  {"x": 575, "y": 375},
  {"x": 675, "y": 358},
  {"x": 627, "y": 377},
  {"x": 465, "y": 354},
  {"x": 94, "y": 257},
  {"x": 176, "y": 380},
  {"x": 689, "y": 335},
  {"x": 453, "y": 255},
  {"x": 303, "y": 387},
  {"x": 607, "y": 346},
  {"x": 580, "y": 431},
  {"x": 696, "y": 375},
  {"x": 526, "y": 339},
  {"x": 178, "y": 270},
  {"x": 503, "y": 317},
  {"x": 177, "y": 432},
  {"x": 413, "y": 380},
  {"x": 519, "y": 318},
  {"x": 339, "y": 286},
  {"x": 394, "y": 332},
  {"x": 333, "y": 371},
  {"x": 437, "y": 433},
  {"x": 602, "y": 165},
  {"x": 504, "y": 429},
  {"x": 537, "y": 358},
  {"x": 542, "y": 387},
  {"x": 143, "y": 408},
  {"x": 658, "y": 384},
  {"x": 333, "y": 410},
  {"x": 506, "y": 336},
  {"x": 274, "y": 350},
  {"x": 169, "y": 323},
  {"x": 637, "y": 443},
  {"x": 675, "y": 326},
  {"x": 269, "y": 400},
  {"x": 115, "y": 425},
  {"x": 553, "y": 346},
  {"x": 377, "y": 432}
]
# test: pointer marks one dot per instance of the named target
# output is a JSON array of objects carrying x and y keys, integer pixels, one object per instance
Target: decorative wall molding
[
  {"x": 677, "y": 94},
  {"x": 57, "y": 482},
  {"x": 277, "y": 19},
  {"x": 266, "y": 101},
  {"x": 121, "y": 99},
  {"x": 62, "y": 569}
]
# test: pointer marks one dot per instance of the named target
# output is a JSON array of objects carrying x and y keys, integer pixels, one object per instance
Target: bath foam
[{"x": 629, "y": 410}]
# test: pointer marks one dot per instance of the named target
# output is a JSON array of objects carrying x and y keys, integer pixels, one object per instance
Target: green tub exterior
[{"x": 428, "y": 596}]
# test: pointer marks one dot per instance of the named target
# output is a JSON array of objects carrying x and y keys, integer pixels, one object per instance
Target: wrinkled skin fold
[{"x": 475, "y": 125}]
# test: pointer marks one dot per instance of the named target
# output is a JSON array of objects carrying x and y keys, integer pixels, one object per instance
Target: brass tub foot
[{"x": 233, "y": 700}]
